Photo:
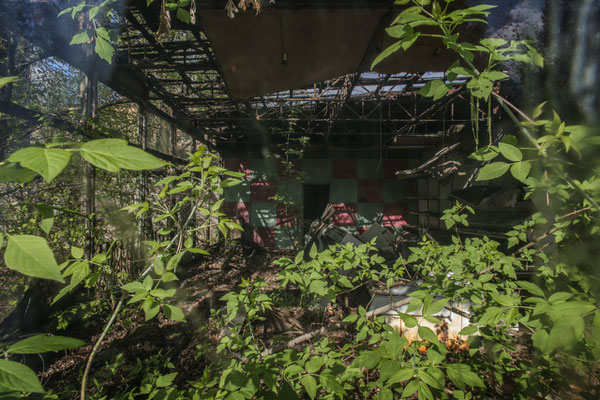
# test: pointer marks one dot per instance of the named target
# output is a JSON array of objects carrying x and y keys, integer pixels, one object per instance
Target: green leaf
[
  {"x": 494, "y": 75},
  {"x": 567, "y": 331},
  {"x": 502, "y": 299},
  {"x": 427, "y": 334},
  {"x": 46, "y": 162},
  {"x": 65, "y": 11},
  {"x": 76, "y": 252},
  {"x": 462, "y": 375},
  {"x": 313, "y": 251},
  {"x": 509, "y": 151},
  {"x": 318, "y": 287},
  {"x": 31, "y": 256},
  {"x": 13, "y": 172},
  {"x": 47, "y": 217},
  {"x": 114, "y": 154},
  {"x": 183, "y": 15},
  {"x": 408, "y": 320},
  {"x": 310, "y": 384},
  {"x": 436, "y": 307},
  {"x": 173, "y": 313},
  {"x": 158, "y": 267},
  {"x": 5, "y": 80},
  {"x": 42, "y": 344},
  {"x": 229, "y": 182},
  {"x": 520, "y": 170},
  {"x": 540, "y": 339},
  {"x": 331, "y": 384},
  {"x": 386, "y": 53},
  {"x": 492, "y": 171},
  {"x": 538, "y": 110},
  {"x": 468, "y": 330},
  {"x": 79, "y": 270},
  {"x": 480, "y": 87},
  {"x": 559, "y": 297},
  {"x": 162, "y": 293},
  {"x": 459, "y": 70},
  {"x": 293, "y": 369},
  {"x": 166, "y": 380},
  {"x": 196, "y": 250},
  {"x": 104, "y": 49},
  {"x": 401, "y": 375},
  {"x": 424, "y": 391},
  {"x": 572, "y": 308},
  {"x": 174, "y": 261},
  {"x": 134, "y": 287},
  {"x": 148, "y": 282},
  {"x": 410, "y": 388},
  {"x": 486, "y": 153},
  {"x": 397, "y": 31},
  {"x": 299, "y": 257},
  {"x": 531, "y": 288},
  {"x": 217, "y": 205},
  {"x": 436, "y": 89},
  {"x": 150, "y": 308},
  {"x": 81, "y": 37},
  {"x": 168, "y": 277},
  {"x": 510, "y": 139},
  {"x": 15, "y": 376},
  {"x": 93, "y": 12}
]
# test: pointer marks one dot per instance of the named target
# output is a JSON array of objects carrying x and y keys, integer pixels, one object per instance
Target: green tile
[
  {"x": 369, "y": 168},
  {"x": 263, "y": 168},
  {"x": 395, "y": 191},
  {"x": 367, "y": 213},
  {"x": 285, "y": 238},
  {"x": 291, "y": 190},
  {"x": 343, "y": 191},
  {"x": 316, "y": 171},
  {"x": 238, "y": 193},
  {"x": 263, "y": 214},
  {"x": 352, "y": 229}
]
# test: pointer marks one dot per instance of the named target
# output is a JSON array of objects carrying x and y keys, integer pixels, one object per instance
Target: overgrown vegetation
[{"x": 526, "y": 338}]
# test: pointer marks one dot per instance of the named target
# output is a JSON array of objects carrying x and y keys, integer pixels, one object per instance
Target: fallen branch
[{"x": 323, "y": 330}]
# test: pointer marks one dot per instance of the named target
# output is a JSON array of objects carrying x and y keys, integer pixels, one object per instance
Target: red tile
[
  {"x": 395, "y": 215},
  {"x": 262, "y": 190},
  {"x": 264, "y": 236},
  {"x": 288, "y": 215},
  {"x": 343, "y": 169},
  {"x": 237, "y": 210},
  {"x": 361, "y": 229},
  {"x": 344, "y": 214},
  {"x": 391, "y": 166},
  {"x": 237, "y": 165},
  {"x": 370, "y": 191},
  {"x": 290, "y": 174}
]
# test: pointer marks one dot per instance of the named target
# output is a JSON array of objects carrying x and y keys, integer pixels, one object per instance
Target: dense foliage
[{"x": 526, "y": 338}]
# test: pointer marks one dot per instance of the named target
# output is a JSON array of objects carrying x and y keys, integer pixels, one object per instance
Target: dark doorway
[{"x": 316, "y": 198}]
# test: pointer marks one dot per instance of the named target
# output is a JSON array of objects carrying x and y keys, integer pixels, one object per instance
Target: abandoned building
[{"x": 307, "y": 121}]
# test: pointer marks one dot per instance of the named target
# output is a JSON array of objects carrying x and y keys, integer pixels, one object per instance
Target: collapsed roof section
[{"x": 236, "y": 81}]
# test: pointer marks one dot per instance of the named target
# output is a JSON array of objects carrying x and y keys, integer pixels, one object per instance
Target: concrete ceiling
[{"x": 282, "y": 50}]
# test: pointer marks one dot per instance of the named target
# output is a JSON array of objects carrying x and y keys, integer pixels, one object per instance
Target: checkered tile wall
[{"x": 359, "y": 190}]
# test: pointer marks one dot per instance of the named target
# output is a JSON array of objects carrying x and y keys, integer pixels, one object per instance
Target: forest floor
[{"x": 201, "y": 286}]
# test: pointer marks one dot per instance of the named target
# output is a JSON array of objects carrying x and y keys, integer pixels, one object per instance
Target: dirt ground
[{"x": 202, "y": 284}]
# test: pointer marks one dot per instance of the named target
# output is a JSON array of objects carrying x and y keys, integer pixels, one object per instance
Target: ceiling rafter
[{"x": 160, "y": 49}]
